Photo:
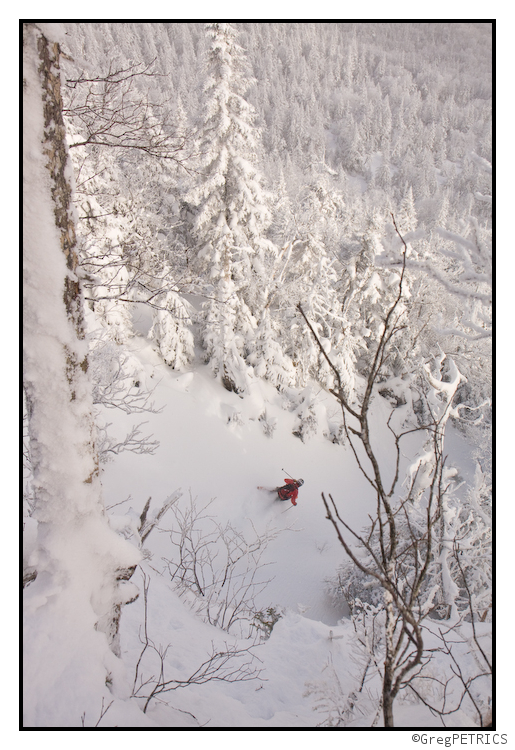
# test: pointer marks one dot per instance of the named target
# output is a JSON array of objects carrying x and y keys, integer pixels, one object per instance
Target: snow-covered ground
[{"x": 213, "y": 448}]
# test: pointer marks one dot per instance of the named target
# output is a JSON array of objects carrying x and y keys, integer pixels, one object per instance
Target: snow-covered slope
[{"x": 213, "y": 447}]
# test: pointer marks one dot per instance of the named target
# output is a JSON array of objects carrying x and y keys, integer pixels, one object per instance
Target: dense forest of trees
[
  {"x": 379, "y": 137},
  {"x": 300, "y": 203}
]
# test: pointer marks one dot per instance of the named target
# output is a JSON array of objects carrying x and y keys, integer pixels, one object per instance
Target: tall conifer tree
[{"x": 230, "y": 212}]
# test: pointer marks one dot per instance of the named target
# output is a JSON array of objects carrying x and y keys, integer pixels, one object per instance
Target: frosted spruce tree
[
  {"x": 407, "y": 218},
  {"x": 171, "y": 332},
  {"x": 230, "y": 215},
  {"x": 309, "y": 276}
]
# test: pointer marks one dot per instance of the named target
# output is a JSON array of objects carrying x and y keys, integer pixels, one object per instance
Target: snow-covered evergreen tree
[
  {"x": 226, "y": 325},
  {"x": 308, "y": 275},
  {"x": 407, "y": 217},
  {"x": 229, "y": 207},
  {"x": 171, "y": 330},
  {"x": 267, "y": 356}
]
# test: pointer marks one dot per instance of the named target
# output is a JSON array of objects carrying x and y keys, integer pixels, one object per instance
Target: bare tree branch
[{"x": 399, "y": 565}]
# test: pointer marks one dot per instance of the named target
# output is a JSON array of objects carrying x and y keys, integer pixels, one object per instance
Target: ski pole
[{"x": 288, "y": 474}]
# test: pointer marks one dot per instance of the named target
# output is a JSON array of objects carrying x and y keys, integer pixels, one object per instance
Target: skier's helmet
[{"x": 300, "y": 482}]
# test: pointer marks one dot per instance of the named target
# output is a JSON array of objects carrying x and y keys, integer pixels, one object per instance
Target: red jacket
[{"x": 289, "y": 492}]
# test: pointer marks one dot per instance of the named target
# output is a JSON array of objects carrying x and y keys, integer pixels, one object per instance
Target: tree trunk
[
  {"x": 81, "y": 563},
  {"x": 55, "y": 351},
  {"x": 388, "y": 677},
  {"x": 387, "y": 703}
]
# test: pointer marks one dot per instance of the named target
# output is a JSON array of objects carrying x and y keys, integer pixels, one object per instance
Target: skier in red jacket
[{"x": 290, "y": 491}]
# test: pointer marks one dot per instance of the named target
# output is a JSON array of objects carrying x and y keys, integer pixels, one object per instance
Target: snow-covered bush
[
  {"x": 217, "y": 570},
  {"x": 268, "y": 423},
  {"x": 306, "y": 422},
  {"x": 265, "y": 619},
  {"x": 119, "y": 382},
  {"x": 361, "y": 702}
]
